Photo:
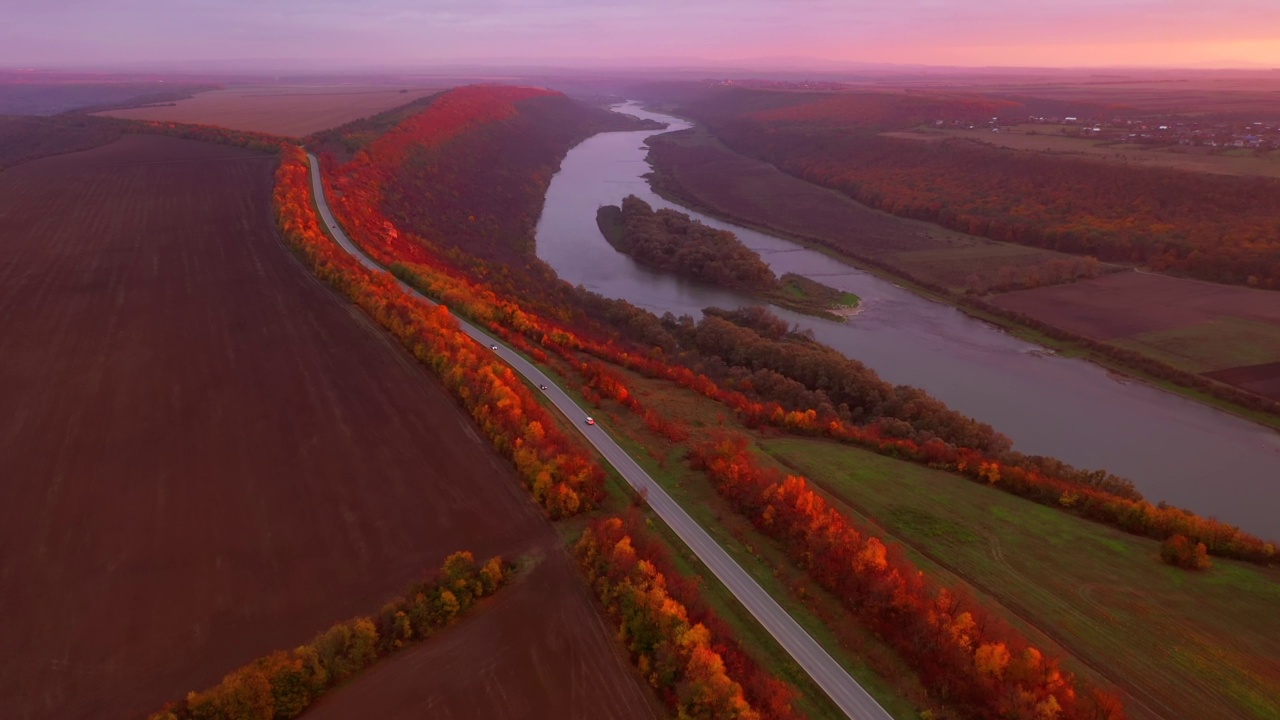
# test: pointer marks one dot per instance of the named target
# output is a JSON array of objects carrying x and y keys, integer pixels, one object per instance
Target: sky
[{"x": 1020, "y": 33}]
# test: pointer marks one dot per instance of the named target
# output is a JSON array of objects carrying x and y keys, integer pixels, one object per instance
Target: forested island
[{"x": 672, "y": 241}]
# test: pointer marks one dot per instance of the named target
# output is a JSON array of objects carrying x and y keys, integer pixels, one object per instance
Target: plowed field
[
  {"x": 206, "y": 455},
  {"x": 282, "y": 110},
  {"x": 1228, "y": 333},
  {"x": 526, "y": 656}
]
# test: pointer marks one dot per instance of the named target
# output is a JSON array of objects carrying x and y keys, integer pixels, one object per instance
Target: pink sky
[{"x": 938, "y": 32}]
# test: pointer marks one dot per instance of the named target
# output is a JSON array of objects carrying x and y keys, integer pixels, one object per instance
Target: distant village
[
  {"x": 1259, "y": 135},
  {"x": 755, "y": 84}
]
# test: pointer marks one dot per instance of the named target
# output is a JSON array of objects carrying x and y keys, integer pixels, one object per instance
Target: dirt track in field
[{"x": 208, "y": 455}]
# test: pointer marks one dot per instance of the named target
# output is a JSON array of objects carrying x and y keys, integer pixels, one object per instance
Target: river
[{"x": 1172, "y": 448}]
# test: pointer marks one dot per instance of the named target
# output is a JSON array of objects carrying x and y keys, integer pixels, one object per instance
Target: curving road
[{"x": 847, "y": 694}]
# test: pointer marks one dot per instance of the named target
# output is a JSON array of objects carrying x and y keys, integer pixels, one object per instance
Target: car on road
[
  {"x": 542, "y": 387},
  {"x": 591, "y": 421},
  {"x": 493, "y": 347}
]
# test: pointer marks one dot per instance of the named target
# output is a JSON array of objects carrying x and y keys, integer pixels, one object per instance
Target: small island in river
[{"x": 672, "y": 241}]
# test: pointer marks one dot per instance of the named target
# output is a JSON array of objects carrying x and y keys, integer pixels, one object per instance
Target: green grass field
[
  {"x": 1176, "y": 644},
  {"x": 747, "y": 631},
  {"x": 1217, "y": 344},
  {"x": 870, "y": 662},
  {"x": 662, "y": 460},
  {"x": 1182, "y": 645}
]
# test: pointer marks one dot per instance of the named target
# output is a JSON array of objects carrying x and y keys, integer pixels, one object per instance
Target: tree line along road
[{"x": 844, "y": 691}]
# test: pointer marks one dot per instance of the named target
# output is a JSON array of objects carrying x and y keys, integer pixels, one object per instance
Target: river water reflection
[{"x": 1173, "y": 449}]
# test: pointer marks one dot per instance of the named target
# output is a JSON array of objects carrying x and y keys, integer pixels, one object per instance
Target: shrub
[
  {"x": 1180, "y": 552},
  {"x": 283, "y": 684}
]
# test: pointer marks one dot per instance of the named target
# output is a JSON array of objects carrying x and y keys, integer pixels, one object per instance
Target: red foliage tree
[
  {"x": 685, "y": 652},
  {"x": 1181, "y": 552},
  {"x": 284, "y": 684},
  {"x": 1210, "y": 226},
  {"x": 961, "y": 652},
  {"x": 561, "y": 476},
  {"x": 477, "y": 276}
]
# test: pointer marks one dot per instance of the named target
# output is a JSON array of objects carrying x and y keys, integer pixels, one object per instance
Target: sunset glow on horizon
[{"x": 1075, "y": 33}]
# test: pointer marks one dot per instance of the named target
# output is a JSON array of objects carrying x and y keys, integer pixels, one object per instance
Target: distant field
[
  {"x": 23, "y": 93},
  {"x": 25, "y": 137},
  {"x": 1263, "y": 379},
  {"x": 1185, "y": 92},
  {"x": 1218, "y": 344},
  {"x": 1196, "y": 326},
  {"x": 711, "y": 176},
  {"x": 1182, "y": 645},
  {"x": 207, "y": 455},
  {"x": 1042, "y": 138},
  {"x": 283, "y": 110}
]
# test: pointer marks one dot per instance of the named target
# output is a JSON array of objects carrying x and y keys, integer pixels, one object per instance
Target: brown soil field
[
  {"x": 709, "y": 176},
  {"x": 1262, "y": 379},
  {"x": 526, "y": 655},
  {"x": 287, "y": 111},
  {"x": 1227, "y": 333},
  {"x": 1132, "y": 303},
  {"x": 1036, "y": 138},
  {"x": 208, "y": 455},
  {"x": 24, "y": 138}
]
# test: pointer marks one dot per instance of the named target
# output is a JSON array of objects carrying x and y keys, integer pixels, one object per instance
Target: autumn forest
[
  {"x": 802, "y": 464},
  {"x": 747, "y": 361}
]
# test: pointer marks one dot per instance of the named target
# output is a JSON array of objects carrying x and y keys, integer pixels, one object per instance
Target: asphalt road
[{"x": 847, "y": 694}]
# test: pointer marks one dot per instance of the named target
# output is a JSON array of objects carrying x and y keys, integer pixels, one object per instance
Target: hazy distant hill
[
  {"x": 51, "y": 98},
  {"x": 25, "y": 138}
]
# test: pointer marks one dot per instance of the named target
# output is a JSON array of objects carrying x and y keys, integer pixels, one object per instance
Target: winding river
[{"x": 1173, "y": 449}]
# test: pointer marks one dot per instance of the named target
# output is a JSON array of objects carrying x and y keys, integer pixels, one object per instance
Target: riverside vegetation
[
  {"x": 699, "y": 672},
  {"x": 397, "y": 194},
  {"x": 672, "y": 241},
  {"x": 772, "y": 159}
]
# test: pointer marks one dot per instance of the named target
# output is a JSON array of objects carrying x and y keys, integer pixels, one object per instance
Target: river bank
[
  {"x": 926, "y": 266},
  {"x": 1172, "y": 448}
]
